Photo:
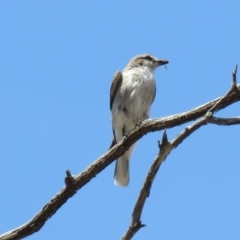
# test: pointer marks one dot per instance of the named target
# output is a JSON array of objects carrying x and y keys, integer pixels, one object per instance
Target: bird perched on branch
[{"x": 131, "y": 95}]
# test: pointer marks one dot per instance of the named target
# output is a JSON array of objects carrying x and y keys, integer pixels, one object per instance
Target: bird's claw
[
  {"x": 124, "y": 134},
  {"x": 138, "y": 124}
]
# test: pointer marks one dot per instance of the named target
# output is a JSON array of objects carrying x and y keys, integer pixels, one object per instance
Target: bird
[{"x": 132, "y": 93}]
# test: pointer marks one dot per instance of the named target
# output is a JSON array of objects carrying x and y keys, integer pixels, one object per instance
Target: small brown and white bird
[{"x": 131, "y": 95}]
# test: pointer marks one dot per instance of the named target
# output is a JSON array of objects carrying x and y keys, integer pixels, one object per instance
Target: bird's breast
[
  {"x": 136, "y": 94},
  {"x": 139, "y": 84}
]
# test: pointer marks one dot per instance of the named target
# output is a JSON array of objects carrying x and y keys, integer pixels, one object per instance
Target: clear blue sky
[{"x": 57, "y": 60}]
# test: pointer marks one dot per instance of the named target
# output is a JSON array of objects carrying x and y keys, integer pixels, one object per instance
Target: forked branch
[
  {"x": 165, "y": 148},
  {"x": 74, "y": 183}
]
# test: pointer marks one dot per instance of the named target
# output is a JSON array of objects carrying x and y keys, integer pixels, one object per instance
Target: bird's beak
[{"x": 161, "y": 62}]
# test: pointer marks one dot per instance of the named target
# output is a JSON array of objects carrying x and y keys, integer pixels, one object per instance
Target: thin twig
[{"x": 233, "y": 88}]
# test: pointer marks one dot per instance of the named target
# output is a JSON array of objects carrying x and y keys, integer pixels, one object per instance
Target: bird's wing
[{"x": 116, "y": 83}]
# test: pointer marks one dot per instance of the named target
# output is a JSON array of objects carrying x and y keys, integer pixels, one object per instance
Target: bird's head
[{"x": 146, "y": 60}]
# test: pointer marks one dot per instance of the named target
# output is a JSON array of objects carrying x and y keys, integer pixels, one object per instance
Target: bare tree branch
[
  {"x": 144, "y": 193},
  {"x": 232, "y": 89},
  {"x": 73, "y": 184},
  {"x": 166, "y": 147},
  {"x": 136, "y": 223},
  {"x": 224, "y": 121}
]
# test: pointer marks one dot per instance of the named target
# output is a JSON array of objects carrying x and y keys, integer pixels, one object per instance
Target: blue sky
[{"x": 57, "y": 60}]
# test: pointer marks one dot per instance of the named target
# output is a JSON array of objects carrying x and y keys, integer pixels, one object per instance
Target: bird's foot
[
  {"x": 124, "y": 134},
  {"x": 125, "y": 137},
  {"x": 138, "y": 124}
]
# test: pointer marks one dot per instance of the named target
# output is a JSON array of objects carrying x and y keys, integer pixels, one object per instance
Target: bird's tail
[{"x": 121, "y": 176}]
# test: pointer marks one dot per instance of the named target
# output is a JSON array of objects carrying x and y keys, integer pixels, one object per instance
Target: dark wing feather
[{"x": 116, "y": 83}]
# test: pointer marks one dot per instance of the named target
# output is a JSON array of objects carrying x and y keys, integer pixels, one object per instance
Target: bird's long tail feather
[{"x": 121, "y": 176}]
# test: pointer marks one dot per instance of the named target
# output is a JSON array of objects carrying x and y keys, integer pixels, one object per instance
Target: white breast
[{"x": 138, "y": 88}]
